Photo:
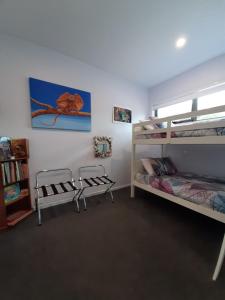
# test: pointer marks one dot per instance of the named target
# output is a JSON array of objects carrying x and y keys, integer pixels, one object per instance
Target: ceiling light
[{"x": 180, "y": 43}]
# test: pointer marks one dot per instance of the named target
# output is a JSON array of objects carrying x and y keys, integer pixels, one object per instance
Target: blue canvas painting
[{"x": 55, "y": 106}]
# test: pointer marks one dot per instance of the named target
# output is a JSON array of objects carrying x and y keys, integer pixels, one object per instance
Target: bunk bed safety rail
[
  {"x": 168, "y": 124},
  {"x": 198, "y": 113}
]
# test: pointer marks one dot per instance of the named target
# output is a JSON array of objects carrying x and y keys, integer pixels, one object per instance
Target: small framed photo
[
  {"x": 102, "y": 146},
  {"x": 122, "y": 115}
]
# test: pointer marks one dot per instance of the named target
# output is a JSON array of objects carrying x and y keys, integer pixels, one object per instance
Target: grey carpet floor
[{"x": 142, "y": 248}]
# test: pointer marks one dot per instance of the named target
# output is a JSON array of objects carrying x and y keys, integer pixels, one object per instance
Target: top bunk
[{"x": 199, "y": 127}]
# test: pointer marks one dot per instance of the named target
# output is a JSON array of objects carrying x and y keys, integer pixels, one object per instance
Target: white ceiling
[{"x": 130, "y": 38}]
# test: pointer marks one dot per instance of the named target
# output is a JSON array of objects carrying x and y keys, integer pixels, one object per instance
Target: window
[
  {"x": 175, "y": 109},
  {"x": 204, "y": 102},
  {"x": 209, "y": 101},
  {"x": 212, "y": 100}
]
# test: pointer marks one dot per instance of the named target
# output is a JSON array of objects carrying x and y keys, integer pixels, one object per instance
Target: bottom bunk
[
  {"x": 196, "y": 207},
  {"x": 205, "y": 195}
]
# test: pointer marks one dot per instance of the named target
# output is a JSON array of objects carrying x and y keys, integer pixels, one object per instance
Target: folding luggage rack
[
  {"x": 95, "y": 181},
  {"x": 78, "y": 187}
]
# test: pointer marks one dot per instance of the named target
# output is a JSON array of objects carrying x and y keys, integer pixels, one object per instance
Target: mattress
[{"x": 205, "y": 191}]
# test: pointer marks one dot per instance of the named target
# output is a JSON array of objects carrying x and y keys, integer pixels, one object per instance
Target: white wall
[
  {"x": 201, "y": 159},
  {"x": 54, "y": 148}
]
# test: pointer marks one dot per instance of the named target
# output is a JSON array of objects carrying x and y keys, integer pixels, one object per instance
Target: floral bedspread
[{"x": 209, "y": 192}]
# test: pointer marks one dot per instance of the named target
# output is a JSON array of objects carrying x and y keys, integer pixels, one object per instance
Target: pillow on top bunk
[
  {"x": 163, "y": 166},
  {"x": 138, "y": 128},
  {"x": 151, "y": 125},
  {"x": 148, "y": 166}
]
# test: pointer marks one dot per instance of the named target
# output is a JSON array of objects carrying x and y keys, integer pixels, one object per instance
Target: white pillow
[
  {"x": 138, "y": 128},
  {"x": 148, "y": 127},
  {"x": 148, "y": 166},
  {"x": 139, "y": 166},
  {"x": 151, "y": 125},
  {"x": 155, "y": 125}
]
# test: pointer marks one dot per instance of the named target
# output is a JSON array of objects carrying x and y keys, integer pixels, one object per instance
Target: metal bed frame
[{"x": 78, "y": 187}]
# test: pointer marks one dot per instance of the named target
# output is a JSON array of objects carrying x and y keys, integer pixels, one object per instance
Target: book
[
  {"x": 7, "y": 172},
  {"x": 19, "y": 148},
  {"x": 25, "y": 170},
  {"x": 17, "y": 171},
  {"x": 5, "y": 147},
  {"x": 3, "y": 174},
  {"x": 20, "y": 170},
  {"x": 1, "y": 154},
  {"x": 11, "y": 192},
  {"x": 12, "y": 171}
]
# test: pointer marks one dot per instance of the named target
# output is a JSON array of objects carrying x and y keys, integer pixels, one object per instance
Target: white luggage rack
[
  {"x": 77, "y": 187},
  {"x": 95, "y": 181},
  {"x": 47, "y": 190}
]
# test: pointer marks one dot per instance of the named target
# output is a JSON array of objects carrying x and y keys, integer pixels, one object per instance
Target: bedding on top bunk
[
  {"x": 186, "y": 133},
  {"x": 205, "y": 191},
  {"x": 217, "y": 131}
]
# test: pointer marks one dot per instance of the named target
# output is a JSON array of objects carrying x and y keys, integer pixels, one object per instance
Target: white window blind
[
  {"x": 175, "y": 109},
  {"x": 212, "y": 100}
]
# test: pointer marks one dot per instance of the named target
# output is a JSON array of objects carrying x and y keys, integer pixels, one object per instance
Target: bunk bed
[{"x": 199, "y": 127}]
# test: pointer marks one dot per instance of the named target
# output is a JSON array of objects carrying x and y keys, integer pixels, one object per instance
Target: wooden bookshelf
[
  {"x": 19, "y": 198},
  {"x": 18, "y": 216},
  {"x": 17, "y": 181},
  {"x": 14, "y": 178}
]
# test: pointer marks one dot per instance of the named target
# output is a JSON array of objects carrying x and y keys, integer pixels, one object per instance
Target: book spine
[
  {"x": 25, "y": 171},
  {"x": 3, "y": 174},
  {"x": 12, "y": 170},
  {"x": 17, "y": 171},
  {"x": 21, "y": 170},
  {"x": 7, "y": 172}
]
